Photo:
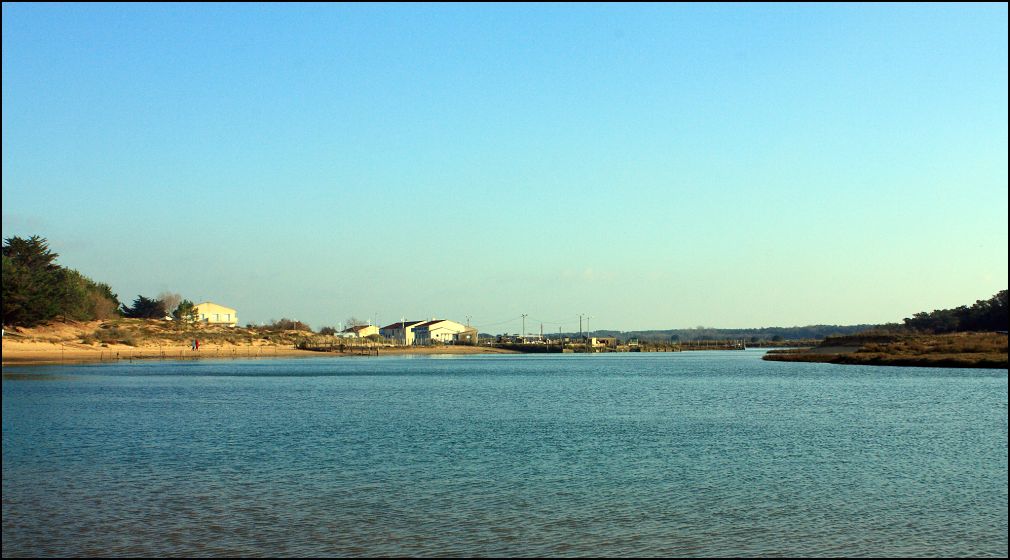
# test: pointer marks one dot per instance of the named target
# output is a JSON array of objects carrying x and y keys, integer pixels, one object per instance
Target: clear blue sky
[{"x": 652, "y": 166}]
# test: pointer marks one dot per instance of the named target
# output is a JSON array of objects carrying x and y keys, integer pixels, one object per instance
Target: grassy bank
[
  {"x": 128, "y": 339},
  {"x": 147, "y": 339},
  {"x": 141, "y": 333},
  {"x": 957, "y": 350}
]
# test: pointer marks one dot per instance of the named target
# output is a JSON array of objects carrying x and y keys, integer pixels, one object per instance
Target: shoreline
[
  {"x": 44, "y": 353},
  {"x": 117, "y": 340}
]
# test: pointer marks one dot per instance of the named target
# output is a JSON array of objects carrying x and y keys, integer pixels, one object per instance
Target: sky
[{"x": 645, "y": 166}]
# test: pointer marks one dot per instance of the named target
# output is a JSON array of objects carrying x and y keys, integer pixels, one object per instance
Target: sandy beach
[{"x": 60, "y": 343}]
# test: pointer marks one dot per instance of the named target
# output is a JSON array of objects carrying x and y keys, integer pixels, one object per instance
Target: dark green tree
[
  {"x": 33, "y": 252},
  {"x": 32, "y": 290},
  {"x": 145, "y": 308},
  {"x": 185, "y": 311},
  {"x": 36, "y": 289}
]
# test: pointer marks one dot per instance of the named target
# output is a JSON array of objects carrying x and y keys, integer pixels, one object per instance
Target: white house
[
  {"x": 214, "y": 314},
  {"x": 438, "y": 330},
  {"x": 401, "y": 332}
]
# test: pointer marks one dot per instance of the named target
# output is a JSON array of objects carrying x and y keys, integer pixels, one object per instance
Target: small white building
[
  {"x": 603, "y": 342},
  {"x": 214, "y": 314},
  {"x": 438, "y": 330},
  {"x": 468, "y": 337}
]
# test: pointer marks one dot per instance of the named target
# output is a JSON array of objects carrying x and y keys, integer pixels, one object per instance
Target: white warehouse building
[{"x": 438, "y": 331}]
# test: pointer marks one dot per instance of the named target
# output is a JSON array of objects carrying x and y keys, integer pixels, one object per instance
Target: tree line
[
  {"x": 164, "y": 306},
  {"x": 36, "y": 289},
  {"x": 983, "y": 315},
  {"x": 753, "y": 335}
]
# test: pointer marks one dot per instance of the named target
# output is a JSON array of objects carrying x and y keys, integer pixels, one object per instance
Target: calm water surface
[{"x": 688, "y": 454}]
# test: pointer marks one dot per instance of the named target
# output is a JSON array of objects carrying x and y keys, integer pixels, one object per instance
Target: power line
[
  {"x": 556, "y": 323},
  {"x": 509, "y": 320}
]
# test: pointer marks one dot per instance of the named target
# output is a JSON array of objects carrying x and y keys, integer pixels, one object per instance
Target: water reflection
[{"x": 36, "y": 376}]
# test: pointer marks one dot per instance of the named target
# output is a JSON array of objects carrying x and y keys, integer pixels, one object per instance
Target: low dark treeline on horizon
[
  {"x": 984, "y": 315},
  {"x": 761, "y": 334}
]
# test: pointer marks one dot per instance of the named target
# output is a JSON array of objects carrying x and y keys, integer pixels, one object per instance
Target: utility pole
[{"x": 468, "y": 320}]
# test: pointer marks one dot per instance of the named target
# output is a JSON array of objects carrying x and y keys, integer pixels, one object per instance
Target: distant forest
[
  {"x": 753, "y": 335},
  {"x": 984, "y": 315}
]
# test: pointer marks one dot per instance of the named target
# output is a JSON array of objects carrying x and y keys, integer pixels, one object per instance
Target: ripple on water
[{"x": 718, "y": 454}]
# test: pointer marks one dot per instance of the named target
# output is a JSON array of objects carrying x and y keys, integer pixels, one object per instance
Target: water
[{"x": 688, "y": 454}]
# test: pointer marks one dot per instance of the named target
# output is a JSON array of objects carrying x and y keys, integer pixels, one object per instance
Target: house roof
[
  {"x": 445, "y": 324},
  {"x": 211, "y": 303},
  {"x": 401, "y": 324},
  {"x": 357, "y": 328},
  {"x": 431, "y": 322}
]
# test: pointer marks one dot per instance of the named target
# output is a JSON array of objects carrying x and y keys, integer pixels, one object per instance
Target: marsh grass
[{"x": 983, "y": 350}]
